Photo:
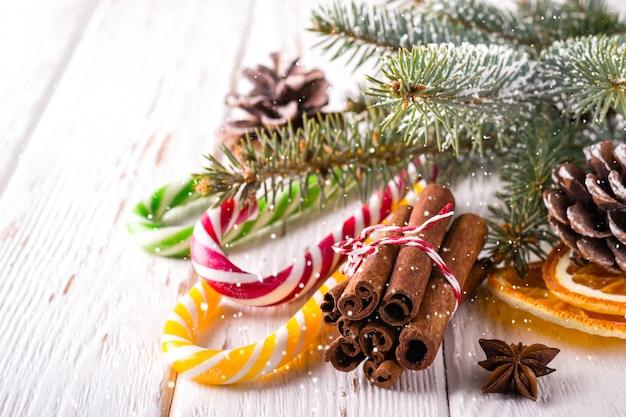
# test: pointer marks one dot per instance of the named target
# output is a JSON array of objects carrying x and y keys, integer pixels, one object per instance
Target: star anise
[{"x": 515, "y": 367}]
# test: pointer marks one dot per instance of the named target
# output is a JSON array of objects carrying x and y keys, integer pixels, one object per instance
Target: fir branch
[
  {"x": 519, "y": 225},
  {"x": 333, "y": 148},
  {"x": 443, "y": 167},
  {"x": 516, "y": 241},
  {"x": 452, "y": 91},
  {"x": 590, "y": 72},
  {"x": 477, "y": 15},
  {"x": 535, "y": 24},
  {"x": 555, "y": 21},
  {"x": 367, "y": 31},
  {"x": 371, "y": 31},
  {"x": 449, "y": 92}
]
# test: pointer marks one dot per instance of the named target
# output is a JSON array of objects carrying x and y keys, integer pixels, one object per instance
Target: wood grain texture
[
  {"x": 588, "y": 367},
  {"x": 37, "y": 43},
  {"x": 84, "y": 308},
  {"x": 133, "y": 104}
]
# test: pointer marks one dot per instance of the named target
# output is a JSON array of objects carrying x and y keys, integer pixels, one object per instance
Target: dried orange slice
[
  {"x": 590, "y": 286},
  {"x": 532, "y": 295}
]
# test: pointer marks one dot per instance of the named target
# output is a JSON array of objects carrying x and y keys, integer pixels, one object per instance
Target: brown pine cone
[
  {"x": 588, "y": 211},
  {"x": 278, "y": 96}
]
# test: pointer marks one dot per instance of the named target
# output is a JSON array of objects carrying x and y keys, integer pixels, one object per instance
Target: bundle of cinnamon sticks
[{"x": 392, "y": 313}]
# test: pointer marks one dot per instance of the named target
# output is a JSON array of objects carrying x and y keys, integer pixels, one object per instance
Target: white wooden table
[{"x": 103, "y": 101}]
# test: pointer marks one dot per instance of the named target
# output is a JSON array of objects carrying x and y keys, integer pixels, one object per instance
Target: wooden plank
[
  {"x": 311, "y": 387},
  {"x": 37, "y": 41},
  {"x": 588, "y": 368},
  {"x": 82, "y": 307}
]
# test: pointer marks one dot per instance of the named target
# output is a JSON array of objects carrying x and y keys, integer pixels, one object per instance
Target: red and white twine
[{"x": 357, "y": 250}]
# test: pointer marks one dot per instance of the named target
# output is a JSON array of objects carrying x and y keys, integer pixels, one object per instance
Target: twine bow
[{"x": 357, "y": 250}]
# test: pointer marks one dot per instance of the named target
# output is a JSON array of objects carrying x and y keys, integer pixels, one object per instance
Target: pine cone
[
  {"x": 588, "y": 212},
  {"x": 277, "y": 98}
]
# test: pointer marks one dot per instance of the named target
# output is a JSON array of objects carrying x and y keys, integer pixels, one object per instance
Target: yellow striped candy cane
[{"x": 215, "y": 367}]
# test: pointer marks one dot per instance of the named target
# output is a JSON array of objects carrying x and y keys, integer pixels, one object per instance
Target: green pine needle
[
  {"x": 347, "y": 150},
  {"x": 446, "y": 92},
  {"x": 367, "y": 31},
  {"x": 591, "y": 81}
]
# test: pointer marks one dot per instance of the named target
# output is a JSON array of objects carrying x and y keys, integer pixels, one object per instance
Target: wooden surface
[{"x": 103, "y": 101}]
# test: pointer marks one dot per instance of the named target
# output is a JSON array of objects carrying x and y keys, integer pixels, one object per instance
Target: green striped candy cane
[{"x": 162, "y": 223}]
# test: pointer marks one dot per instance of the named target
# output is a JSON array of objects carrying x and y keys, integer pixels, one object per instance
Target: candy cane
[
  {"x": 215, "y": 367},
  {"x": 162, "y": 224},
  {"x": 197, "y": 308},
  {"x": 212, "y": 264}
]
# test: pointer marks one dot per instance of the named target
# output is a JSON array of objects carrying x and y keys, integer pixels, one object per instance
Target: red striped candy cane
[{"x": 213, "y": 265}]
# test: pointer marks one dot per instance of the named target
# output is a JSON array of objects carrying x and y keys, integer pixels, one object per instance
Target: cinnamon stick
[
  {"x": 377, "y": 336},
  {"x": 421, "y": 338},
  {"x": 349, "y": 328},
  {"x": 477, "y": 274},
  {"x": 344, "y": 354},
  {"x": 329, "y": 303},
  {"x": 371, "y": 364},
  {"x": 384, "y": 374},
  {"x": 411, "y": 271},
  {"x": 364, "y": 292},
  {"x": 376, "y": 358}
]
